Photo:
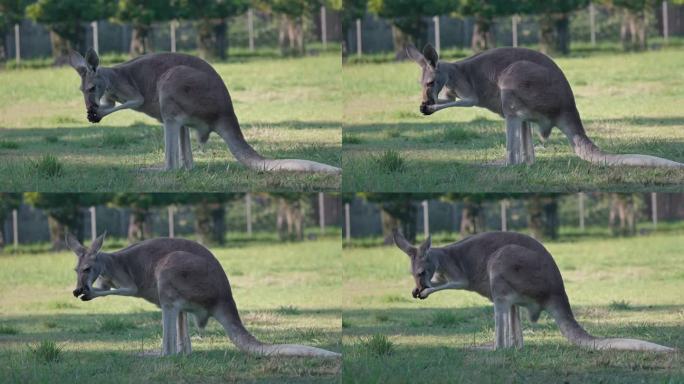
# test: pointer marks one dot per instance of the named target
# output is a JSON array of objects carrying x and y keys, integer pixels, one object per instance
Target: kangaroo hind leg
[
  {"x": 185, "y": 148},
  {"x": 169, "y": 330},
  {"x": 183, "y": 335}
]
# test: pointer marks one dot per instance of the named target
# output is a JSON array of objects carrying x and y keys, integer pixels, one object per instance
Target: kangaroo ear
[
  {"x": 430, "y": 55},
  {"x": 77, "y": 62},
  {"x": 92, "y": 59},
  {"x": 402, "y": 243},
  {"x": 73, "y": 244},
  {"x": 426, "y": 245},
  {"x": 97, "y": 243},
  {"x": 415, "y": 55}
]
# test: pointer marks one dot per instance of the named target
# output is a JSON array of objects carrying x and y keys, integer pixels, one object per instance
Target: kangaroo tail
[
  {"x": 227, "y": 315},
  {"x": 230, "y": 131},
  {"x": 586, "y": 149},
  {"x": 562, "y": 314}
]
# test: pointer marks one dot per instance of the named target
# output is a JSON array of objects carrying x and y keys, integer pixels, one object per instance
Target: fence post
[
  {"x": 96, "y": 37},
  {"x": 666, "y": 33},
  {"x": 15, "y": 228},
  {"x": 172, "y": 221},
  {"x": 359, "y": 49},
  {"x": 17, "y": 44},
  {"x": 504, "y": 218},
  {"x": 321, "y": 211},
  {"x": 426, "y": 219},
  {"x": 248, "y": 213},
  {"x": 581, "y": 210},
  {"x": 514, "y": 29},
  {"x": 324, "y": 28},
  {"x": 438, "y": 37},
  {"x": 93, "y": 223},
  {"x": 654, "y": 209},
  {"x": 250, "y": 28},
  {"x": 172, "y": 33},
  {"x": 592, "y": 23},
  {"x": 347, "y": 223}
]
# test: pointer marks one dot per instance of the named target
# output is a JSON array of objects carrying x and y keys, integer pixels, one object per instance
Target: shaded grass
[
  {"x": 105, "y": 339},
  {"x": 389, "y": 162},
  {"x": 46, "y": 351},
  {"x": 48, "y": 166},
  {"x": 287, "y": 109},
  {"x": 432, "y": 338},
  {"x": 630, "y": 108}
]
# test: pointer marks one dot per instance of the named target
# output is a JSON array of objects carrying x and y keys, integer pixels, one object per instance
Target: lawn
[
  {"x": 618, "y": 287},
  {"x": 288, "y": 108},
  {"x": 286, "y": 293},
  {"x": 629, "y": 103}
]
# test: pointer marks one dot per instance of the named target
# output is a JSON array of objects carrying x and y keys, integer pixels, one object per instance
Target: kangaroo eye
[
  {"x": 430, "y": 83},
  {"x": 86, "y": 269},
  {"x": 91, "y": 89}
]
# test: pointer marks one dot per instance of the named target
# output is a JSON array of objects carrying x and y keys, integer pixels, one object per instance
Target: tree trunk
[
  {"x": 389, "y": 223},
  {"x": 542, "y": 218},
  {"x": 57, "y": 234},
  {"x": 399, "y": 41},
  {"x": 562, "y": 32},
  {"x": 138, "y": 225},
  {"x": 221, "y": 32},
  {"x": 546, "y": 27},
  {"x": 290, "y": 220},
  {"x": 210, "y": 223},
  {"x": 3, "y": 45},
  {"x": 140, "y": 40},
  {"x": 60, "y": 48},
  {"x": 3, "y": 218},
  {"x": 622, "y": 207},
  {"x": 483, "y": 35},
  {"x": 472, "y": 218}
]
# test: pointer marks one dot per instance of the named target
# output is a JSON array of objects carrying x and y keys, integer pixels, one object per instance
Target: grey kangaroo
[
  {"x": 522, "y": 86},
  {"x": 181, "y": 277},
  {"x": 181, "y": 91},
  {"x": 512, "y": 270}
]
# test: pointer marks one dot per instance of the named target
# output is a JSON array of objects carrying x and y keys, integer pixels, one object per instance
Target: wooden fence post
[
  {"x": 93, "y": 223},
  {"x": 17, "y": 44},
  {"x": 581, "y": 210},
  {"x": 426, "y": 219},
  {"x": 359, "y": 48},
  {"x": 347, "y": 223},
  {"x": 96, "y": 37},
  {"x": 172, "y": 34},
  {"x": 592, "y": 23},
  {"x": 324, "y": 28},
  {"x": 514, "y": 29},
  {"x": 654, "y": 209},
  {"x": 438, "y": 37},
  {"x": 172, "y": 222},
  {"x": 321, "y": 211},
  {"x": 250, "y": 28},
  {"x": 15, "y": 228},
  {"x": 666, "y": 32},
  {"x": 504, "y": 218}
]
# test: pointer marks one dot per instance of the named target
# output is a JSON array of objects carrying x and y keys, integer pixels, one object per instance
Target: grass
[
  {"x": 618, "y": 287},
  {"x": 103, "y": 339},
  {"x": 626, "y": 104},
  {"x": 288, "y": 108},
  {"x": 48, "y": 166}
]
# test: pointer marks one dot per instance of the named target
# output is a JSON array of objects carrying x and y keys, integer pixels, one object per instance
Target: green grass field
[
  {"x": 629, "y": 103},
  {"x": 286, "y": 293},
  {"x": 618, "y": 287},
  {"x": 287, "y": 108}
]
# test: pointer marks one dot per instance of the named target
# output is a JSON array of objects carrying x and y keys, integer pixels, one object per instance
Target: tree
[
  {"x": 554, "y": 22},
  {"x": 408, "y": 19},
  {"x": 351, "y": 10},
  {"x": 210, "y": 216},
  {"x": 292, "y": 22},
  {"x": 542, "y": 215},
  {"x": 484, "y": 12},
  {"x": 398, "y": 211},
  {"x": 11, "y": 13},
  {"x": 633, "y": 30},
  {"x": 211, "y": 23},
  {"x": 8, "y": 202},
  {"x": 65, "y": 212},
  {"x": 65, "y": 19},
  {"x": 141, "y": 14}
]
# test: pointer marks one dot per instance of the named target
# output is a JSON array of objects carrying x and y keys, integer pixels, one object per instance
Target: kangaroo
[
  {"x": 522, "y": 86},
  {"x": 180, "y": 91},
  {"x": 181, "y": 277},
  {"x": 512, "y": 270}
]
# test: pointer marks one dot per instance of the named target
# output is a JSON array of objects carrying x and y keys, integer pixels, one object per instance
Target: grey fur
[
  {"x": 180, "y": 91},
  {"x": 522, "y": 86},
  {"x": 512, "y": 270},
  {"x": 180, "y": 277}
]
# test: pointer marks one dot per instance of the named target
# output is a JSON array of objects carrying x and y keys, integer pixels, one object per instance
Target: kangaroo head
[
  {"x": 88, "y": 268},
  {"x": 423, "y": 263},
  {"x": 93, "y": 83},
  {"x": 433, "y": 77}
]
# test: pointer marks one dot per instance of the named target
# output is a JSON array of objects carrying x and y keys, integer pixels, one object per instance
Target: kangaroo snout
[{"x": 79, "y": 291}]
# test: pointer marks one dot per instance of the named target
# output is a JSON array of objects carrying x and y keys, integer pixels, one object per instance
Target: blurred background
[
  {"x": 37, "y": 222},
  {"x": 378, "y": 29},
  {"x": 213, "y": 29},
  {"x": 370, "y": 217}
]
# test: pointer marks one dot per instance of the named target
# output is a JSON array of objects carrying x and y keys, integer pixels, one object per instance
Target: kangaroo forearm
[
  {"x": 128, "y": 104},
  {"x": 117, "y": 291},
  {"x": 459, "y": 103}
]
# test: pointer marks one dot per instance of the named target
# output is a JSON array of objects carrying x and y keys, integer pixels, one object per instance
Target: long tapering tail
[
  {"x": 244, "y": 340},
  {"x": 562, "y": 314},
  {"x": 571, "y": 125},
  {"x": 229, "y": 130}
]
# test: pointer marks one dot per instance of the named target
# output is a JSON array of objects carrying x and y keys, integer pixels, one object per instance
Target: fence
[
  {"x": 251, "y": 214},
  {"x": 579, "y": 210},
  {"x": 250, "y": 31},
  {"x": 592, "y": 25}
]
